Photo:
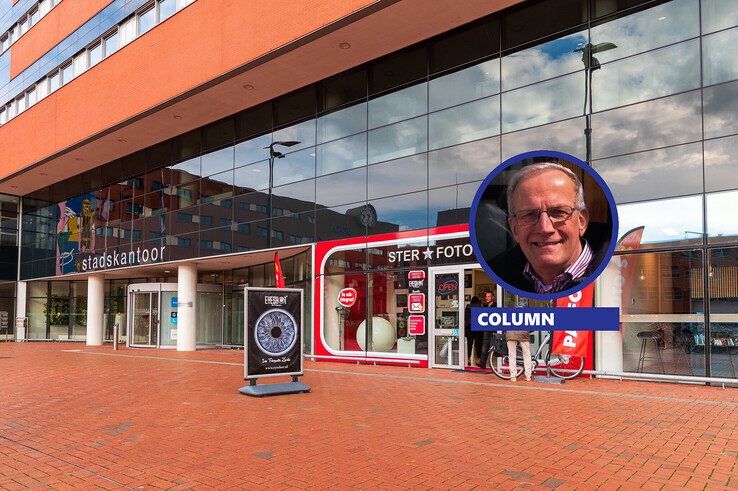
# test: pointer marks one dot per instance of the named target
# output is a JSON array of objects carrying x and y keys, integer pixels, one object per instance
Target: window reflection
[
  {"x": 347, "y": 221},
  {"x": 343, "y": 122},
  {"x": 463, "y": 163},
  {"x": 450, "y": 205},
  {"x": 461, "y": 124},
  {"x": 294, "y": 198},
  {"x": 471, "y": 83},
  {"x": 721, "y": 110},
  {"x": 653, "y": 124},
  {"x": 556, "y": 99},
  {"x": 564, "y": 136},
  {"x": 722, "y": 220},
  {"x": 295, "y": 166},
  {"x": 252, "y": 150},
  {"x": 396, "y": 106},
  {"x": 398, "y": 140},
  {"x": 338, "y": 155},
  {"x": 218, "y": 161},
  {"x": 302, "y": 132},
  {"x": 723, "y": 308},
  {"x": 398, "y": 176},
  {"x": 252, "y": 177},
  {"x": 721, "y": 167},
  {"x": 719, "y": 63},
  {"x": 406, "y": 212},
  {"x": 648, "y": 29},
  {"x": 718, "y": 14},
  {"x": 342, "y": 187},
  {"x": 641, "y": 176},
  {"x": 524, "y": 25},
  {"x": 544, "y": 61},
  {"x": 187, "y": 170},
  {"x": 464, "y": 45},
  {"x": 647, "y": 76},
  {"x": 667, "y": 222}
]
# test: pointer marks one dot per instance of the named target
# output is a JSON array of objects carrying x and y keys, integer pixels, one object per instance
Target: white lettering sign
[
  {"x": 516, "y": 319},
  {"x": 117, "y": 259},
  {"x": 441, "y": 252}
]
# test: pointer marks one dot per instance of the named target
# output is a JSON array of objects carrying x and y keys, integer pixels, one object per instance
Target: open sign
[
  {"x": 448, "y": 287},
  {"x": 347, "y": 297}
]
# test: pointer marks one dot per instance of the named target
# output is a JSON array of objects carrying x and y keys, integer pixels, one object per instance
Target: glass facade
[{"x": 402, "y": 142}]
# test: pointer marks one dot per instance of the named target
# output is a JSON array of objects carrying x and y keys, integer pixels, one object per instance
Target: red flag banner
[
  {"x": 278, "y": 278},
  {"x": 574, "y": 342},
  {"x": 630, "y": 241}
]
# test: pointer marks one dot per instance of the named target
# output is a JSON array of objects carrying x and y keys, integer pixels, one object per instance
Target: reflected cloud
[
  {"x": 721, "y": 110},
  {"x": 462, "y": 163},
  {"x": 556, "y": 99},
  {"x": 722, "y": 218},
  {"x": 471, "y": 83},
  {"x": 565, "y": 136},
  {"x": 721, "y": 164},
  {"x": 472, "y": 121}
]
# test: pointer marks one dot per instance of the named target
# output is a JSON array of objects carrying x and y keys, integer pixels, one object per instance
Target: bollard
[{"x": 115, "y": 337}]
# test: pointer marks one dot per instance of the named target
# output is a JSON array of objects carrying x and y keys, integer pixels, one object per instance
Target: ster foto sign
[
  {"x": 457, "y": 251},
  {"x": 117, "y": 259}
]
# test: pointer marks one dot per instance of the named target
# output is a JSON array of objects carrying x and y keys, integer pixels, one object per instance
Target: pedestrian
[
  {"x": 513, "y": 338},
  {"x": 489, "y": 301},
  {"x": 472, "y": 337}
]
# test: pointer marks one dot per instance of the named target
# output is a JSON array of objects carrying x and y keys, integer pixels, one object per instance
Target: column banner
[
  {"x": 272, "y": 332},
  {"x": 574, "y": 342}
]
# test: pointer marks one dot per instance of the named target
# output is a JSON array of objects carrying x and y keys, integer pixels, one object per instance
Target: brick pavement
[{"x": 73, "y": 416}]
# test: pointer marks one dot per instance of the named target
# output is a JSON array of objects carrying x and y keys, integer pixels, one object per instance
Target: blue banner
[{"x": 545, "y": 319}]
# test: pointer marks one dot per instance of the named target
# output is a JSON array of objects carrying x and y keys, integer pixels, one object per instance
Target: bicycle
[{"x": 562, "y": 366}]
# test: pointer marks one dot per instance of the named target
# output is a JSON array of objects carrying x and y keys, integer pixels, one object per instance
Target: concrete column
[
  {"x": 95, "y": 309},
  {"x": 609, "y": 344},
  {"x": 187, "y": 307},
  {"x": 20, "y": 306}
]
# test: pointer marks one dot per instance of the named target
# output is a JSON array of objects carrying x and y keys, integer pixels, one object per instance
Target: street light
[
  {"x": 590, "y": 64},
  {"x": 272, "y": 155}
]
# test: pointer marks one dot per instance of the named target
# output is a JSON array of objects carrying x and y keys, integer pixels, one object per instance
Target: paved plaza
[{"x": 79, "y": 417}]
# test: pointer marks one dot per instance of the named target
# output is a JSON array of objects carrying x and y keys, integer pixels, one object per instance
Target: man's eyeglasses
[{"x": 557, "y": 214}]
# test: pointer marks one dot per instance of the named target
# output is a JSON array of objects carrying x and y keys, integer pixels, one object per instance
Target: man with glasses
[{"x": 548, "y": 219}]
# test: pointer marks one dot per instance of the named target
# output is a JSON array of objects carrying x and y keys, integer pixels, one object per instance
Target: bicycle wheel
[
  {"x": 565, "y": 366},
  {"x": 500, "y": 366}
]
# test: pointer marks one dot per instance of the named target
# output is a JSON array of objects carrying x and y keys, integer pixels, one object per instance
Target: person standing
[
  {"x": 472, "y": 337},
  {"x": 523, "y": 338},
  {"x": 489, "y": 301}
]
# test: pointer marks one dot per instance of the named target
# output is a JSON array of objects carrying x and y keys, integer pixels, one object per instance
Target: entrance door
[
  {"x": 145, "y": 319},
  {"x": 446, "y": 316}
]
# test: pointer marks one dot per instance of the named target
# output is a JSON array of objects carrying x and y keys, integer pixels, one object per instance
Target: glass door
[
  {"x": 446, "y": 317},
  {"x": 145, "y": 319}
]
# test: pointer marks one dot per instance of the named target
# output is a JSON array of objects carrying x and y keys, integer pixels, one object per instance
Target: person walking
[
  {"x": 472, "y": 337},
  {"x": 523, "y": 338}
]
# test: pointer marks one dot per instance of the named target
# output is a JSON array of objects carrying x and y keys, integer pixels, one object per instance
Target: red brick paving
[{"x": 94, "y": 418}]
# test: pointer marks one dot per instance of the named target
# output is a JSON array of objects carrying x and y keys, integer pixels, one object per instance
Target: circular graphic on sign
[
  {"x": 543, "y": 224},
  {"x": 347, "y": 297},
  {"x": 276, "y": 332}
]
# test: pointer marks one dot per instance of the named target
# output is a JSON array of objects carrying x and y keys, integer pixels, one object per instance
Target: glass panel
[
  {"x": 348, "y": 221},
  {"x": 722, "y": 220},
  {"x": 146, "y": 20},
  {"x": 344, "y": 122},
  {"x": 252, "y": 177},
  {"x": 78, "y": 310},
  {"x": 209, "y": 312},
  {"x": 471, "y": 83},
  {"x": 647, "y": 76},
  {"x": 465, "y": 45},
  {"x": 253, "y": 150},
  {"x": 218, "y": 161},
  {"x": 168, "y": 319},
  {"x": 296, "y": 197},
  {"x": 398, "y": 140},
  {"x": 398, "y": 69},
  {"x": 398, "y": 176},
  {"x": 547, "y": 60},
  {"x": 723, "y": 278},
  {"x": 111, "y": 43},
  {"x": 662, "y": 313},
  {"x": 37, "y": 308},
  {"x": 338, "y": 155},
  {"x": 525, "y": 24},
  {"x": 561, "y": 98},
  {"x": 141, "y": 319},
  {"x": 95, "y": 54},
  {"x": 295, "y": 166},
  {"x": 166, "y": 9},
  {"x": 721, "y": 168},
  {"x": 462, "y": 163},
  {"x": 461, "y": 124},
  {"x": 667, "y": 222},
  {"x": 186, "y": 171},
  {"x": 302, "y": 132},
  {"x": 630, "y": 180},
  {"x": 719, "y": 63},
  {"x": 653, "y": 124},
  {"x": 341, "y": 324},
  {"x": 342, "y": 187},
  {"x": 447, "y": 304},
  {"x": 342, "y": 89},
  {"x": 406, "y": 212},
  {"x": 233, "y": 320},
  {"x": 648, "y": 29},
  {"x": 450, "y": 205},
  {"x": 396, "y": 106},
  {"x": 718, "y": 14},
  {"x": 721, "y": 110},
  {"x": 564, "y": 136}
]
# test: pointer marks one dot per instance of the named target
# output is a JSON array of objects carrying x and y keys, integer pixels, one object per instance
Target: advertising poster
[{"x": 272, "y": 332}]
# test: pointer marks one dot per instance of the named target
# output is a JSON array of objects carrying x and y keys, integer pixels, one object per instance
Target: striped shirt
[{"x": 576, "y": 270}]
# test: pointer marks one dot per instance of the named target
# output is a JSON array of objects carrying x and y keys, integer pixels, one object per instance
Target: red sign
[
  {"x": 416, "y": 303},
  {"x": 416, "y": 325},
  {"x": 573, "y": 342},
  {"x": 347, "y": 297},
  {"x": 416, "y": 275}
]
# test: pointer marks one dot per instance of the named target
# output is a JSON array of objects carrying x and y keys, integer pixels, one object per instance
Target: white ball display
[{"x": 383, "y": 334}]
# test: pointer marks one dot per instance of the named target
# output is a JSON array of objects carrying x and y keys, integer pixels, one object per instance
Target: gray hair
[{"x": 531, "y": 170}]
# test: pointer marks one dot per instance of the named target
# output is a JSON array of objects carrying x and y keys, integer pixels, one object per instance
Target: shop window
[
  {"x": 661, "y": 305},
  {"x": 340, "y": 324},
  {"x": 723, "y": 339}
]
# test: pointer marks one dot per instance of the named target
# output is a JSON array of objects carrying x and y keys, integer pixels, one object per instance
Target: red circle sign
[{"x": 347, "y": 297}]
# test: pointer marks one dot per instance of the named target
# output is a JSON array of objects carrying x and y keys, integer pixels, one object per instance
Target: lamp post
[
  {"x": 272, "y": 155},
  {"x": 590, "y": 64}
]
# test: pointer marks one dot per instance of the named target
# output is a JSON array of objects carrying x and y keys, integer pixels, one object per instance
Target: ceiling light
[
  {"x": 44, "y": 173},
  {"x": 167, "y": 271},
  {"x": 344, "y": 45},
  {"x": 177, "y": 116},
  {"x": 248, "y": 87},
  {"x": 122, "y": 140},
  {"x": 78, "y": 159}
]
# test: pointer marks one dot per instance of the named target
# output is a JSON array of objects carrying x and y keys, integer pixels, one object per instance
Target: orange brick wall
[
  {"x": 206, "y": 39},
  {"x": 62, "y": 21}
]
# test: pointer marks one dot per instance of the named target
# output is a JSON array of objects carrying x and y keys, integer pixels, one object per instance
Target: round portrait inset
[{"x": 543, "y": 224}]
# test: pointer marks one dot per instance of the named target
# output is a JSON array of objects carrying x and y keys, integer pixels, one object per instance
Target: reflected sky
[
  {"x": 342, "y": 187},
  {"x": 719, "y": 60},
  {"x": 564, "y": 136},
  {"x": 398, "y": 140},
  {"x": 398, "y": 176},
  {"x": 721, "y": 166},
  {"x": 718, "y": 14},
  {"x": 396, "y": 106},
  {"x": 722, "y": 219},
  {"x": 471, "y": 83},
  {"x": 409, "y": 211},
  {"x": 671, "y": 220},
  {"x": 721, "y": 110},
  {"x": 338, "y": 155},
  {"x": 341, "y": 123},
  {"x": 461, "y": 124},
  {"x": 547, "y": 60},
  {"x": 641, "y": 176},
  {"x": 462, "y": 163}
]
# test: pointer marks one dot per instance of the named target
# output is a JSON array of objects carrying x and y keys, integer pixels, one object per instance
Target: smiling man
[{"x": 548, "y": 219}]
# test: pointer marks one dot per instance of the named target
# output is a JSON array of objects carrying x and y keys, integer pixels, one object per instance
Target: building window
[
  {"x": 31, "y": 97},
  {"x": 96, "y": 54},
  {"x": 278, "y": 212},
  {"x": 54, "y": 80},
  {"x": 34, "y": 16},
  {"x": 184, "y": 242},
  {"x": 24, "y": 25},
  {"x": 80, "y": 64},
  {"x": 206, "y": 220},
  {"x": 244, "y": 228},
  {"x": 206, "y": 244},
  {"x": 278, "y": 234},
  {"x": 146, "y": 20},
  {"x": 4, "y": 43},
  {"x": 111, "y": 43},
  {"x": 185, "y": 217},
  {"x": 262, "y": 232},
  {"x": 166, "y": 9},
  {"x": 67, "y": 74}
]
